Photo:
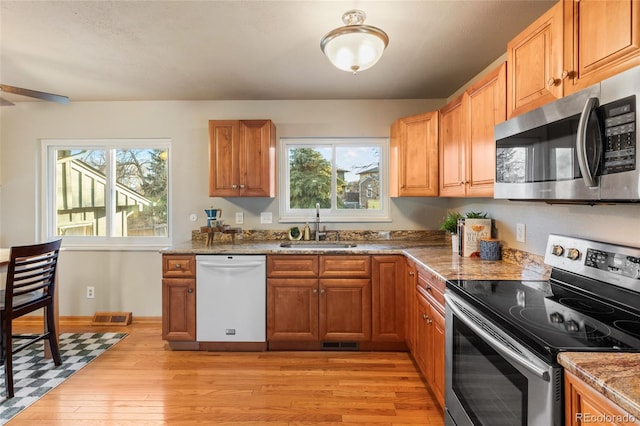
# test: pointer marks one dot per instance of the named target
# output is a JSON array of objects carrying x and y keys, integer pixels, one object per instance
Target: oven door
[{"x": 491, "y": 379}]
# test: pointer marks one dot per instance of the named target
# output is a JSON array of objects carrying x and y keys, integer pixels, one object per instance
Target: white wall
[{"x": 130, "y": 281}]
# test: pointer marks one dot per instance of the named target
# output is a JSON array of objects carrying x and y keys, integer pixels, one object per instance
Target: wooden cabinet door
[
  {"x": 345, "y": 309},
  {"x": 453, "y": 143},
  {"x": 257, "y": 168},
  {"x": 292, "y": 309},
  {"x": 534, "y": 61},
  {"x": 388, "y": 319},
  {"x": 414, "y": 156},
  {"x": 410, "y": 303},
  {"x": 179, "y": 309},
  {"x": 423, "y": 337},
  {"x": 582, "y": 400},
  {"x": 224, "y": 143},
  {"x": 602, "y": 38},
  {"x": 437, "y": 353},
  {"x": 487, "y": 107}
]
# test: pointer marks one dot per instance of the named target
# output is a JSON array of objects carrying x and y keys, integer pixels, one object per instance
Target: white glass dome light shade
[{"x": 355, "y": 48}]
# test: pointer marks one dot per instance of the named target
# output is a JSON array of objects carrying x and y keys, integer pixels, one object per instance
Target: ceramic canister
[{"x": 490, "y": 249}]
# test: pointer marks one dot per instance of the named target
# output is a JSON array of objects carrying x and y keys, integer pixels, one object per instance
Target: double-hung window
[
  {"x": 345, "y": 177},
  {"x": 106, "y": 192}
]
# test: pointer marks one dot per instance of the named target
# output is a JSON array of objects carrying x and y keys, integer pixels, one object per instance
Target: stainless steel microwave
[{"x": 581, "y": 148}]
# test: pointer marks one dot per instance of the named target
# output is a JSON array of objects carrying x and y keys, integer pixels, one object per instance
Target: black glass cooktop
[{"x": 549, "y": 316}]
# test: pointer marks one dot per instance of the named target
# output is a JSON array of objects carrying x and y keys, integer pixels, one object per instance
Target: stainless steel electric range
[{"x": 503, "y": 337}]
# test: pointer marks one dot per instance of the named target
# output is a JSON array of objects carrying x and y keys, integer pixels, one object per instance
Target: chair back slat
[{"x": 31, "y": 270}]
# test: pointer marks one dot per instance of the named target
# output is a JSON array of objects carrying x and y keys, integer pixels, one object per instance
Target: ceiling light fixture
[{"x": 354, "y": 47}]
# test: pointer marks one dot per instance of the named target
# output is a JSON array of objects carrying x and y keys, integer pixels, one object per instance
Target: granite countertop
[
  {"x": 432, "y": 255},
  {"x": 614, "y": 375}
]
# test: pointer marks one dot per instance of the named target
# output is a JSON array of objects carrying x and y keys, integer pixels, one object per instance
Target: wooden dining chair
[{"x": 30, "y": 286}]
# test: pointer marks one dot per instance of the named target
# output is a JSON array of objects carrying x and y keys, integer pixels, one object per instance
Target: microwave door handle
[{"x": 581, "y": 143}]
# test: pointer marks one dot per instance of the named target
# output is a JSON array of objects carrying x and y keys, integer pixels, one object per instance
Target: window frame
[
  {"x": 333, "y": 215},
  {"x": 48, "y": 193}
]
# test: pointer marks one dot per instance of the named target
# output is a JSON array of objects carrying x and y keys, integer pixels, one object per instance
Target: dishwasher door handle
[{"x": 235, "y": 265}]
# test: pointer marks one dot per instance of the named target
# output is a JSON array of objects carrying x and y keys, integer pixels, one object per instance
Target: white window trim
[
  {"x": 47, "y": 200},
  {"x": 326, "y": 215}
]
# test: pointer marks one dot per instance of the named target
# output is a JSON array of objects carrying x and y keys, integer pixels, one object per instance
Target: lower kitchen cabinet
[
  {"x": 305, "y": 309},
  {"x": 179, "y": 309},
  {"x": 388, "y": 299},
  {"x": 178, "y": 298},
  {"x": 584, "y": 405},
  {"x": 410, "y": 304},
  {"x": 429, "y": 347},
  {"x": 345, "y": 309},
  {"x": 292, "y": 309}
]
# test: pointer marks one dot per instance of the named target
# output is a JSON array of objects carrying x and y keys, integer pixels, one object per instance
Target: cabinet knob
[
  {"x": 411, "y": 273},
  {"x": 322, "y": 291},
  {"x": 427, "y": 287},
  {"x": 553, "y": 82},
  {"x": 234, "y": 186},
  {"x": 425, "y": 317},
  {"x": 315, "y": 291},
  {"x": 568, "y": 74},
  {"x": 190, "y": 290},
  {"x": 178, "y": 266},
  {"x": 241, "y": 186}
]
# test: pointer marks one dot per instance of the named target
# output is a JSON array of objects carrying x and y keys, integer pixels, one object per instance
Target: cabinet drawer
[
  {"x": 431, "y": 285},
  {"x": 292, "y": 266},
  {"x": 178, "y": 266},
  {"x": 345, "y": 266}
]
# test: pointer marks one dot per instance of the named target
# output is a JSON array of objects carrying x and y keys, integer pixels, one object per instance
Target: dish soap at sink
[{"x": 306, "y": 232}]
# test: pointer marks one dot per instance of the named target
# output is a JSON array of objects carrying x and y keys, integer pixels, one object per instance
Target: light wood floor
[{"x": 141, "y": 382}]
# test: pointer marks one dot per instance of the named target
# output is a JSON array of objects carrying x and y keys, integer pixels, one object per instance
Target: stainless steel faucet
[{"x": 317, "y": 221}]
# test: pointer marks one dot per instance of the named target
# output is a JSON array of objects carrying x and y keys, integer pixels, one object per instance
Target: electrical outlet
[
  {"x": 266, "y": 217},
  {"x": 239, "y": 218},
  {"x": 521, "y": 232},
  {"x": 91, "y": 292}
]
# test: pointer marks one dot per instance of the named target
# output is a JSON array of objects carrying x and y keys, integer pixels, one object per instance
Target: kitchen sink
[{"x": 318, "y": 245}]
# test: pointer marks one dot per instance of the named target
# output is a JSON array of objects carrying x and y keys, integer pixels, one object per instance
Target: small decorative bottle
[{"x": 306, "y": 233}]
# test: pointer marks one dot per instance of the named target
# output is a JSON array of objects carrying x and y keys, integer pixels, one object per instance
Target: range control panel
[{"x": 614, "y": 264}]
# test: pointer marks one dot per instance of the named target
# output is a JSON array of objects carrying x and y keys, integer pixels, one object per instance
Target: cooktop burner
[
  {"x": 590, "y": 303},
  {"x": 550, "y": 317}
]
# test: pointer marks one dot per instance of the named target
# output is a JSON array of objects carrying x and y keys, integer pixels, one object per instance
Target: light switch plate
[
  {"x": 239, "y": 218},
  {"x": 266, "y": 217},
  {"x": 521, "y": 232}
]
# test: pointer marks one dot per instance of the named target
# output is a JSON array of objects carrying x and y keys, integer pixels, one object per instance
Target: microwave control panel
[{"x": 620, "y": 129}]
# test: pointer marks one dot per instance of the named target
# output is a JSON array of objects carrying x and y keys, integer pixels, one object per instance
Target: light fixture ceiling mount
[{"x": 354, "y": 47}]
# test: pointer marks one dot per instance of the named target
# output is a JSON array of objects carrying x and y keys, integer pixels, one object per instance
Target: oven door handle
[{"x": 496, "y": 344}]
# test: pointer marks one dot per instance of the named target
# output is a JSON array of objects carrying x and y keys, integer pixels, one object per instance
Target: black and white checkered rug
[{"x": 34, "y": 376}]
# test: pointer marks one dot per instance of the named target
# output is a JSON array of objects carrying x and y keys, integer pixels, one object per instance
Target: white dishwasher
[{"x": 231, "y": 298}]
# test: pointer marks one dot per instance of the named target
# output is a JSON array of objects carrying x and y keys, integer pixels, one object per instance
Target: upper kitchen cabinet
[
  {"x": 453, "y": 142},
  {"x": 414, "y": 156},
  {"x": 242, "y": 158},
  {"x": 467, "y": 143},
  {"x": 575, "y": 44},
  {"x": 534, "y": 59},
  {"x": 601, "y": 39}
]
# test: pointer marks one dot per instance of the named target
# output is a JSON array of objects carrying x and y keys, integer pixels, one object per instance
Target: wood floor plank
[{"x": 141, "y": 382}]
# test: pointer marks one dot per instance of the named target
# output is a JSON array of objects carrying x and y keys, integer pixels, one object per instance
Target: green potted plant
[{"x": 450, "y": 224}]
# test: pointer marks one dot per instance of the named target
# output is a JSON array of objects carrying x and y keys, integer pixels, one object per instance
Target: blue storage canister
[{"x": 490, "y": 249}]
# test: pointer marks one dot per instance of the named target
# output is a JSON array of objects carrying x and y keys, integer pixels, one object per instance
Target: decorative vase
[{"x": 454, "y": 243}]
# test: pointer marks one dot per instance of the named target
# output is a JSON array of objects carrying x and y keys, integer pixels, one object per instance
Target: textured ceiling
[{"x": 238, "y": 50}]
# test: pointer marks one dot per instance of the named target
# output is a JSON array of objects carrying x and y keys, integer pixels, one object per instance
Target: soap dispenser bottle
[{"x": 306, "y": 233}]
